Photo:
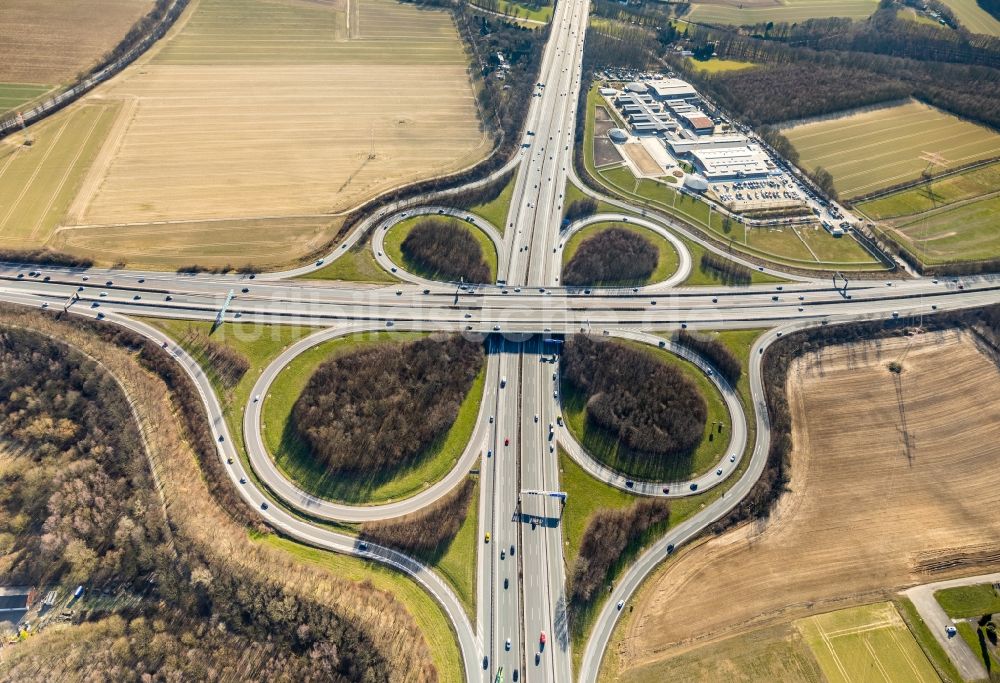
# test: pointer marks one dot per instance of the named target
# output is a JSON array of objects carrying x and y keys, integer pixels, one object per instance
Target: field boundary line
[
  {"x": 102, "y": 162},
  {"x": 833, "y": 651}
]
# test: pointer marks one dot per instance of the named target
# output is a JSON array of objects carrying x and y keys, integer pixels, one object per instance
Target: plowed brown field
[
  {"x": 50, "y": 41},
  {"x": 894, "y": 481}
]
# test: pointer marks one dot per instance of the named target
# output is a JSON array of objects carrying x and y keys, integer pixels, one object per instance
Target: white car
[
  {"x": 732, "y": 458},
  {"x": 506, "y": 644},
  {"x": 719, "y": 472},
  {"x": 256, "y": 398},
  {"x": 621, "y": 603}
]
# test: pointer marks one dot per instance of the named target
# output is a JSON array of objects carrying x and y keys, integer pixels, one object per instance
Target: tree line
[
  {"x": 728, "y": 272},
  {"x": 722, "y": 359},
  {"x": 581, "y": 208},
  {"x": 648, "y": 405},
  {"x": 378, "y": 409},
  {"x": 427, "y": 533},
  {"x": 444, "y": 249},
  {"x": 610, "y": 535},
  {"x": 225, "y": 362},
  {"x": 612, "y": 256}
]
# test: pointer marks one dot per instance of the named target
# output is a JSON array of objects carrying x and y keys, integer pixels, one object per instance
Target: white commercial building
[
  {"x": 672, "y": 89},
  {"x": 734, "y": 163}
]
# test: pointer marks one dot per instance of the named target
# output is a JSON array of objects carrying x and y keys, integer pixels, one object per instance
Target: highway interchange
[{"x": 521, "y": 575}]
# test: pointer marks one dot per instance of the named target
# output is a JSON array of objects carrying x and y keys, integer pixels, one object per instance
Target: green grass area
[
  {"x": 458, "y": 563},
  {"x": 357, "y": 265},
  {"x": 969, "y": 601},
  {"x": 876, "y": 148},
  {"x": 496, "y": 210},
  {"x": 789, "y": 11},
  {"x": 960, "y": 232},
  {"x": 518, "y": 10},
  {"x": 666, "y": 265},
  {"x": 607, "y": 449},
  {"x": 958, "y": 187},
  {"x": 781, "y": 246},
  {"x": 13, "y": 95},
  {"x": 261, "y": 344},
  {"x": 928, "y": 643},
  {"x": 700, "y": 277},
  {"x": 853, "y": 644},
  {"x": 715, "y": 65},
  {"x": 762, "y": 656},
  {"x": 292, "y": 455},
  {"x": 427, "y": 614},
  {"x": 38, "y": 182},
  {"x": 970, "y": 634},
  {"x": 393, "y": 245}
]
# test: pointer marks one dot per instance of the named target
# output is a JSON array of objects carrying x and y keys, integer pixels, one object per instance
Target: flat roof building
[
  {"x": 672, "y": 89},
  {"x": 697, "y": 122},
  {"x": 749, "y": 161},
  {"x": 681, "y": 147}
]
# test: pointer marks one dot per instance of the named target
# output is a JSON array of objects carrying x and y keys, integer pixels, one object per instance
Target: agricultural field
[
  {"x": 763, "y": 656},
  {"x": 974, "y": 17},
  {"x": 742, "y": 12},
  {"x": 38, "y": 181},
  {"x": 49, "y": 42},
  {"x": 876, "y": 148},
  {"x": 949, "y": 219},
  {"x": 869, "y": 643},
  {"x": 256, "y": 121},
  {"x": 871, "y": 505}
]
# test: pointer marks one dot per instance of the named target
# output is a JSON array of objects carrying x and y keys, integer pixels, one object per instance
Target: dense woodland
[
  {"x": 79, "y": 507},
  {"x": 612, "y": 256},
  {"x": 610, "y": 535},
  {"x": 428, "y": 532},
  {"x": 830, "y": 76},
  {"x": 380, "y": 408},
  {"x": 444, "y": 249},
  {"x": 648, "y": 405}
]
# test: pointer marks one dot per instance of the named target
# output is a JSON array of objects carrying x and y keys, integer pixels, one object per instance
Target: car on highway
[
  {"x": 732, "y": 458},
  {"x": 506, "y": 582},
  {"x": 629, "y": 483},
  {"x": 512, "y": 550},
  {"x": 718, "y": 472},
  {"x": 541, "y": 641},
  {"x": 263, "y": 506},
  {"x": 536, "y": 417},
  {"x": 506, "y": 441},
  {"x": 621, "y": 603},
  {"x": 491, "y": 419},
  {"x": 506, "y": 644},
  {"x": 503, "y": 382},
  {"x": 487, "y": 537}
]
